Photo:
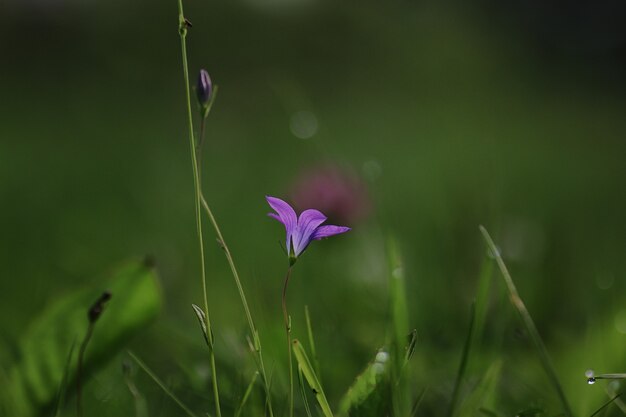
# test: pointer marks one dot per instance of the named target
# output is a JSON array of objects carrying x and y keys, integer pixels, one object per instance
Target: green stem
[
  {"x": 244, "y": 302},
  {"x": 161, "y": 385},
  {"x": 196, "y": 177},
  {"x": 79, "y": 371},
  {"x": 288, "y": 331}
]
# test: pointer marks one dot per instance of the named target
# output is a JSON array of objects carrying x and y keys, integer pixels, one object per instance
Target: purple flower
[
  {"x": 301, "y": 230},
  {"x": 204, "y": 88}
]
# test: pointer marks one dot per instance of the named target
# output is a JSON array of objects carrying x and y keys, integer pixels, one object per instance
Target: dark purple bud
[{"x": 204, "y": 89}]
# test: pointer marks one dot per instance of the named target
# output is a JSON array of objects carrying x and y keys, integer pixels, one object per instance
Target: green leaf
[
  {"x": 36, "y": 377},
  {"x": 311, "y": 378},
  {"x": 369, "y": 395}
]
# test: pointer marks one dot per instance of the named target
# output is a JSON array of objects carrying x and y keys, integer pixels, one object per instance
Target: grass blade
[
  {"x": 528, "y": 323},
  {"x": 400, "y": 325},
  {"x": 160, "y": 383},
  {"x": 369, "y": 394},
  {"x": 309, "y": 329},
  {"x": 303, "y": 392},
  {"x": 246, "y": 394},
  {"x": 482, "y": 301},
  {"x": 463, "y": 365},
  {"x": 141, "y": 406},
  {"x": 606, "y": 404},
  {"x": 483, "y": 394},
  {"x": 311, "y": 378},
  {"x": 418, "y": 402}
]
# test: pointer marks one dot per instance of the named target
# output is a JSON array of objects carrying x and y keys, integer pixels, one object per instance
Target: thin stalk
[
  {"x": 246, "y": 394},
  {"x": 161, "y": 384},
  {"x": 64, "y": 381},
  {"x": 244, "y": 302},
  {"x": 79, "y": 371},
  {"x": 528, "y": 322},
  {"x": 183, "y": 24},
  {"x": 199, "y": 149},
  {"x": 288, "y": 331}
]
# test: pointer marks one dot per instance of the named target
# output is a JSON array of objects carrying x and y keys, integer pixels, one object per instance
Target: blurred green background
[{"x": 450, "y": 114}]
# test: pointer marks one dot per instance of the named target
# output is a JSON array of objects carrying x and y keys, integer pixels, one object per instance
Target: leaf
[
  {"x": 369, "y": 394},
  {"x": 311, "y": 378},
  {"x": 37, "y": 375}
]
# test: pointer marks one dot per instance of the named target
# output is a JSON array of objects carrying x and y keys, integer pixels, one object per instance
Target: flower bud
[{"x": 204, "y": 89}]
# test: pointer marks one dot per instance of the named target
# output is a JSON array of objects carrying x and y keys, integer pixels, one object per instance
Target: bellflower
[{"x": 303, "y": 229}]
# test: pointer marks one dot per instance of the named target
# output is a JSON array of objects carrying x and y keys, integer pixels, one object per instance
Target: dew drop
[
  {"x": 591, "y": 381},
  {"x": 382, "y": 357}
]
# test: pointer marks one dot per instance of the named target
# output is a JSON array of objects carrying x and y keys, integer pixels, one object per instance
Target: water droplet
[
  {"x": 591, "y": 381},
  {"x": 589, "y": 373},
  {"x": 382, "y": 357}
]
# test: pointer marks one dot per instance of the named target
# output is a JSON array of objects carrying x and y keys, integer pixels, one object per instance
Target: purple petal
[
  {"x": 308, "y": 221},
  {"x": 286, "y": 215},
  {"x": 328, "y": 231}
]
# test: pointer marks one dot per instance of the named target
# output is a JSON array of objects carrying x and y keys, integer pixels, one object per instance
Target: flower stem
[
  {"x": 288, "y": 331},
  {"x": 183, "y": 25}
]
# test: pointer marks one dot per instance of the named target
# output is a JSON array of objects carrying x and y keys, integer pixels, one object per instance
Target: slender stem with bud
[{"x": 183, "y": 25}]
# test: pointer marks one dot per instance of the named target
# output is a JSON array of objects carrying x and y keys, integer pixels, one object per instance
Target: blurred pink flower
[{"x": 341, "y": 194}]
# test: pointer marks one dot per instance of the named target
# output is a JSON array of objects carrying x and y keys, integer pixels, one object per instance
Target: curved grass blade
[
  {"x": 161, "y": 385},
  {"x": 528, "y": 323},
  {"x": 311, "y": 377}
]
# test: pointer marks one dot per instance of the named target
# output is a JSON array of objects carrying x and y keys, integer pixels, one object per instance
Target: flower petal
[
  {"x": 286, "y": 215},
  {"x": 308, "y": 221},
  {"x": 328, "y": 231}
]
